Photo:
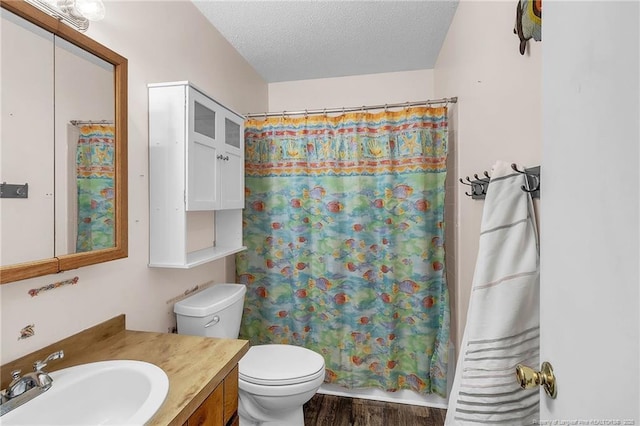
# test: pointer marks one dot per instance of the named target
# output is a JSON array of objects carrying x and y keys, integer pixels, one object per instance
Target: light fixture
[{"x": 75, "y": 13}]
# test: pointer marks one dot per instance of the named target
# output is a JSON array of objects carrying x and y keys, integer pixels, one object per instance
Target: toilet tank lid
[{"x": 210, "y": 300}]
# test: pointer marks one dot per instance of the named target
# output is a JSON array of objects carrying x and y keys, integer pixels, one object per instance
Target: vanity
[{"x": 202, "y": 372}]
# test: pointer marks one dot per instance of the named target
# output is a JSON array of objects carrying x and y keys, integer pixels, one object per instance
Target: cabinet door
[
  {"x": 231, "y": 395},
  {"x": 202, "y": 192},
  {"x": 232, "y": 163},
  {"x": 210, "y": 412}
]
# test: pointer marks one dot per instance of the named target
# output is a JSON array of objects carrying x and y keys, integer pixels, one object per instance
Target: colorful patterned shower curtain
[
  {"x": 95, "y": 176},
  {"x": 345, "y": 235}
]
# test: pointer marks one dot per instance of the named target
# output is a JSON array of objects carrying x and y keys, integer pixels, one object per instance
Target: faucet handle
[
  {"x": 39, "y": 365},
  {"x": 18, "y": 385}
]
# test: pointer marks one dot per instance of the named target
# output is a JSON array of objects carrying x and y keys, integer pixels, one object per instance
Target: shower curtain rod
[
  {"x": 81, "y": 122},
  {"x": 305, "y": 112}
]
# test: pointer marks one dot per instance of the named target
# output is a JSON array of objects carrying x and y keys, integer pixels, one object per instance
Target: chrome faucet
[{"x": 18, "y": 391}]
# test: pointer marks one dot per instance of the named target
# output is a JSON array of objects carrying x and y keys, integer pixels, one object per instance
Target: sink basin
[{"x": 115, "y": 392}]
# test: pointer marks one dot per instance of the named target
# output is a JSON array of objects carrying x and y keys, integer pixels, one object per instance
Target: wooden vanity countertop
[{"x": 195, "y": 365}]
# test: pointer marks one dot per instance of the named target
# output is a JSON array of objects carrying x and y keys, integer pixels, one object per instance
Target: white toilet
[{"x": 274, "y": 380}]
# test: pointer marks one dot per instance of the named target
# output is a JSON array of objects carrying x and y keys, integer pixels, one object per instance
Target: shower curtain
[
  {"x": 95, "y": 179},
  {"x": 345, "y": 235}
]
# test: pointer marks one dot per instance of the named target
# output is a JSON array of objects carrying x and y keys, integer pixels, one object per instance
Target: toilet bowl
[{"x": 275, "y": 380}]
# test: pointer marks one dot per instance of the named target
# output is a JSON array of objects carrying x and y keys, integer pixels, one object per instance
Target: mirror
[{"x": 66, "y": 138}]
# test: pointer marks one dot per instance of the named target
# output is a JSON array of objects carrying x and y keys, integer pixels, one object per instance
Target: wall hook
[
  {"x": 486, "y": 180},
  {"x": 468, "y": 184},
  {"x": 533, "y": 178},
  {"x": 478, "y": 187}
]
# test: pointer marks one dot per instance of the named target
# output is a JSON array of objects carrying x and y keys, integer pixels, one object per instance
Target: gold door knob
[{"x": 528, "y": 378}]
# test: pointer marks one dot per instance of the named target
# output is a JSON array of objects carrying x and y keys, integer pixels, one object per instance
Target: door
[
  {"x": 202, "y": 152},
  {"x": 589, "y": 211},
  {"x": 232, "y": 163}
]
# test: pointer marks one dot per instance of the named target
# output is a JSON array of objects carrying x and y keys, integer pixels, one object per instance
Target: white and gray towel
[{"x": 502, "y": 327}]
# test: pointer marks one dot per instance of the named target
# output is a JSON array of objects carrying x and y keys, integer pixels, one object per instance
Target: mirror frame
[{"x": 66, "y": 262}]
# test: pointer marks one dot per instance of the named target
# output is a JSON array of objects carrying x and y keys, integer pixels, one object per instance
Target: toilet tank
[{"x": 213, "y": 312}]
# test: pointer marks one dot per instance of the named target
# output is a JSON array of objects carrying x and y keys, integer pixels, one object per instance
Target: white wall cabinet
[{"x": 196, "y": 164}]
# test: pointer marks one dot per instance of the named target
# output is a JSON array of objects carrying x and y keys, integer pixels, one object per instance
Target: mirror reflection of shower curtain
[{"x": 95, "y": 187}]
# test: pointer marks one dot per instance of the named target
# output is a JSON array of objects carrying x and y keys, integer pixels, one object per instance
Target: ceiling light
[
  {"x": 93, "y": 10},
  {"x": 76, "y": 13}
]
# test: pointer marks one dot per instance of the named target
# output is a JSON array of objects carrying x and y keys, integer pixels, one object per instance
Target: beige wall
[
  {"x": 371, "y": 89},
  {"x": 163, "y": 41},
  {"x": 497, "y": 117}
]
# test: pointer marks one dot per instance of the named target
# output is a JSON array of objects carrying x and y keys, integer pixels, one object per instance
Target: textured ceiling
[{"x": 306, "y": 39}]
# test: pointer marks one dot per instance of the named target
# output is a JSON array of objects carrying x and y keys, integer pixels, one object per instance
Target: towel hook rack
[{"x": 480, "y": 185}]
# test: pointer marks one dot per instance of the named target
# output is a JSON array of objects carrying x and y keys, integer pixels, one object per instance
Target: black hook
[
  {"x": 478, "y": 186},
  {"x": 483, "y": 180},
  {"x": 536, "y": 179},
  {"x": 469, "y": 184}
]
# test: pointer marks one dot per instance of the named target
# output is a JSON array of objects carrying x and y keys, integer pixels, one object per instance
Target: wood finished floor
[{"x": 332, "y": 410}]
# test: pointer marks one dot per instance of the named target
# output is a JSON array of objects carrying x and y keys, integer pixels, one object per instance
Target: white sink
[{"x": 101, "y": 393}]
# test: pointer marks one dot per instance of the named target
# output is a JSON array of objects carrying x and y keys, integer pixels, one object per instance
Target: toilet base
[
  {"x": 292, "y": 418},
  {"x": 260, "y": 405}
]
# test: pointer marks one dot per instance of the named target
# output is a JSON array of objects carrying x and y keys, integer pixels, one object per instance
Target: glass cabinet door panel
[
  {"x": 205, "y": 120},
  {"x": 232, "y": 133}
]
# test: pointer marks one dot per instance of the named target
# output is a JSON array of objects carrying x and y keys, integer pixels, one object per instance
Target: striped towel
[{"x": 502, "y": 327}]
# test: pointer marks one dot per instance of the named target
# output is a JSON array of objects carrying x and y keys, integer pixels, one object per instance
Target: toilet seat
[{"x": 280, "y": 365}]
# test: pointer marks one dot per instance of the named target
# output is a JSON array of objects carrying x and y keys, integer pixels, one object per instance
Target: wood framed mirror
[{"x": 116, "y": 246}]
